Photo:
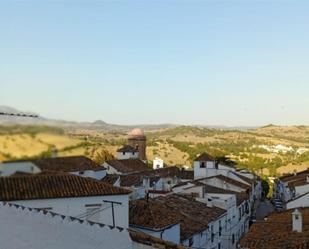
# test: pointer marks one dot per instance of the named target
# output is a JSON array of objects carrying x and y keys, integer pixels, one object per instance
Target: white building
[
  {"x": 77, "y": 165},
  {"x": 31, "y": 228},
  {"x": 291, "y": 186},
  {"x": 125, "y": 166},
  {"x": 68, "y": 195},
  {"x": 157, "y": 163},
  {"x": 200, "y": 225},
  {"x": 300, "y": 201},
  {"x": 127, "y": 152},
  {"x": 236, "y": 204},
  {"x": 13, "y": 167}
]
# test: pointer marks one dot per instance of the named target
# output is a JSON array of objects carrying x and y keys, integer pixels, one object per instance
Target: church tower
[{"x": 137, "y": 140}]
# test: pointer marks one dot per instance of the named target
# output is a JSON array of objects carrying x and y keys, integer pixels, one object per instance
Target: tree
[
  {"x": 102, "y": 155},
  {"x": 265, "y": 188}
]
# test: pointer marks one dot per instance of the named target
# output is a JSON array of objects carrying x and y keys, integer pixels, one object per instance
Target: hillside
[{"x": 268, "y": 150}]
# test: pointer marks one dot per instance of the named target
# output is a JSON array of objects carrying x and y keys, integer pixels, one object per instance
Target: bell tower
[{"x": 138, "y": 140}]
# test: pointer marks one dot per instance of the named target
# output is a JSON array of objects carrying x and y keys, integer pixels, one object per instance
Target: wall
[
  {"x": 300, "y": 190},
  {"x": 299, "y": 202},
  {"x": 98, "y": 175},
  {"x": 30, "y": 229},
  {"x": 127, "y": 155},
  {"x": 171, "y": 234},
  {"x": 7, "y": 169},
  {"x": 157, "y": 163},
  {"x": 76, "y": 207},
  {"x": 110, "y": 169}
]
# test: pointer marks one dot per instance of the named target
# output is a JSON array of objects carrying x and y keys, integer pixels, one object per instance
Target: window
[
  {"x": 81, "y": 172},
  {"x": 220, "y": 228},
  {"x": 191, "y": 241},
  {"x": 219, "y": 246},
  {"x": 296, "y": 217},
  {"x": 123, "y": 153},
  {"x": 133, "y": 153},
  {"x": 202, "y": 165},
  {"x": 233, "y": 239}
]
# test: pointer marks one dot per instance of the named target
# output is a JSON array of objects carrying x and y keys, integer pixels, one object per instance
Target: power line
[{"x": 19, "y": 115}]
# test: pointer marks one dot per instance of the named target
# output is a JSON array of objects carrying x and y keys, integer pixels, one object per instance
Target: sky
[{"x": 234, "y": 62}]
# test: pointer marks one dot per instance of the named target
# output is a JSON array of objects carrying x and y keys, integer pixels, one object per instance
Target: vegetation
[{"x": 177, "y": 146}]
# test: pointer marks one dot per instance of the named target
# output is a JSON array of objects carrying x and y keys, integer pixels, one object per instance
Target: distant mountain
[
  {"x": 99, "y": 122},
  {"x": 96, "y": 125},
  {"x": 99, "y": 125}
]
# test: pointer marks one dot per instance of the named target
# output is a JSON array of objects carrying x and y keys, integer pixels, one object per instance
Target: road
[{"x": 263, "y": 209}]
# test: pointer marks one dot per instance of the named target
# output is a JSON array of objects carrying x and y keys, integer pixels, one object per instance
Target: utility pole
[{"x": 113, "y": 213}]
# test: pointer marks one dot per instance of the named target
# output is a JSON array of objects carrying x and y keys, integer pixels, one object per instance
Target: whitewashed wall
[
  {"x": 7, "y": 169},
  {"x": 127, "y": 155},
  {"x": 76, "y": 207},
  {"x": 171, "y": 234}
]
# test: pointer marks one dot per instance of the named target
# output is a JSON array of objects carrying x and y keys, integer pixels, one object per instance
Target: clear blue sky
[{"x": 192, "y": 62}]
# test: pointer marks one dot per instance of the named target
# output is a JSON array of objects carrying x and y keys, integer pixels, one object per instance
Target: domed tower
[{"x": 137, "y": 140}]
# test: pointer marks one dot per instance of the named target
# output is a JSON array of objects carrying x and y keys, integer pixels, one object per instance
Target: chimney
[
  {"x": 297, "y": 221},
  {"x": 209, "y": 202},
  {"x": 146, "y": 183}
]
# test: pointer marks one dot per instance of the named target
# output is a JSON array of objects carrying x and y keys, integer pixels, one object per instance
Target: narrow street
[{"x": 263, "y": 209}]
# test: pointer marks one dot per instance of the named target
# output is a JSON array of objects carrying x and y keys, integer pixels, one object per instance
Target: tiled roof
[
  {"x": 291, "y": 177},
  {"x": 151, "y": 214},
  {"x": 153, "y": 242},
  {"x": 127, "y": 148},
  {"x": 300, "y": 181},
  {"x": 232, "y": 181},
  {"x": 53, "y": 186},
  {"x": 136, "y": 180},
  {"x": 246, "y": 179},
  {"x": 209, "y": 189},
  {"x": 110, "y": 179},
  {"x": 204, "y": 157},
  {"x": 67, "y": 164},
  {"x": 128, "y": 165},
  {"x": 195, "y": 216},
  {"x": 276, "y": 232}
]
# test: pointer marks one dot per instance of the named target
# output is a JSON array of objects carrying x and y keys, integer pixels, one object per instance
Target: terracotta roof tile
[
  {"x": 53, "y": 186},
  {"x": 276, "y": 232},
  {"x": 67, "y": 164},
  {"x": 127, "y": 148},
  {"x": 151, "y": 214},
  {"x": 195, "y": 216},
  {"x": 128, "y": 165},
  {"x": 204, "y": 157}
]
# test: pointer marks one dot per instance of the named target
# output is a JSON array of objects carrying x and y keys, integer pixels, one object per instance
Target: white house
[
  {"x": 157, "y": 163},
  {"x": 37, "y": 229},
  {"x": 70, "y": 195},
  {"x": 76, "y": 165},
  {"x": 127, "y": 152},
  {"x": 300, "y": 201},
  {"x": 291, "y": 186},
  {"x": 236, "y": 205},
  {"x": 10, "y": 168},
  {"x": 125, "y": 166},
  {"x": 200, "y": 225},
  {"x": 155, "y": 219}
]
